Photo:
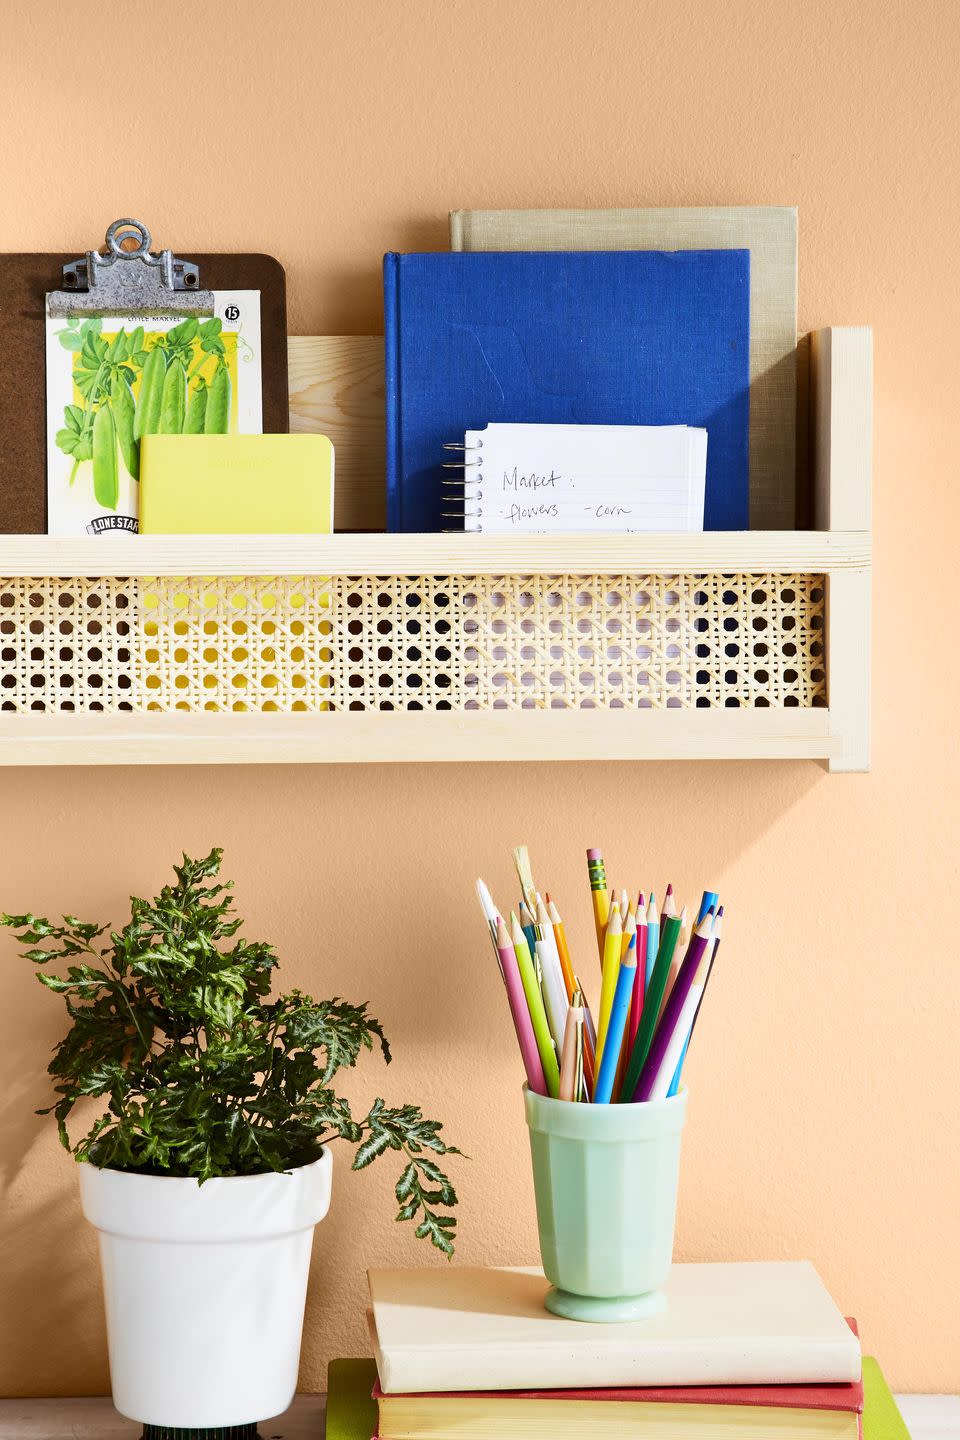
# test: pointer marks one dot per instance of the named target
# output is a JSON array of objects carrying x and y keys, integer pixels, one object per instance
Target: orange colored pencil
[{"x": 563, "y": 949}]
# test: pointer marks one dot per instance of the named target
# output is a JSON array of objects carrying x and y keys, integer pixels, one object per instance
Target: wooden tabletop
[{"x": 928, "y": 1417}]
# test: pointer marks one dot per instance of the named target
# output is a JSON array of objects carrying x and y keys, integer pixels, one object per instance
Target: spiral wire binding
[{"x": 460, "y": 483}]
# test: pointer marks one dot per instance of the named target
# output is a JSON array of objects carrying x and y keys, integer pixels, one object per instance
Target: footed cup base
[{"x": 604, "y": 1310}]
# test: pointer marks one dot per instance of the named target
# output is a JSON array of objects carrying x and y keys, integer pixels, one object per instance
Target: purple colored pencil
[{"x": 674, "y": 1007}]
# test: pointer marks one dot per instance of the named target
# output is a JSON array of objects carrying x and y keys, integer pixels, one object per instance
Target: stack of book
[{"x": 741, "y": 1349}]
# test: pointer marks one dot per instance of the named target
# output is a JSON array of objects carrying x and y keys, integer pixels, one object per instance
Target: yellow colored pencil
[
  {"x": 600, "y": 896},
  {"x": 613, "y": 945}
]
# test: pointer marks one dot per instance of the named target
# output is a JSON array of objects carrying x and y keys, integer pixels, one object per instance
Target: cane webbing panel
[{"x": 312, "y": 643}]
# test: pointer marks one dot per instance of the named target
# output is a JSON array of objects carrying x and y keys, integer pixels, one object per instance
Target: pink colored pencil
[
  {"x": 636, "y": 1001},
  {"x": 519, "y": 1010}
]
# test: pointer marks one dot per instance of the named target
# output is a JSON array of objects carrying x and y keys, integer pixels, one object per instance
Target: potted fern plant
[{"x": 207, "y": 1165}]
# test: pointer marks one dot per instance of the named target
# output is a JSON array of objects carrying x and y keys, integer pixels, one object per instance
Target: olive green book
[{"x": 769, "y": 232}]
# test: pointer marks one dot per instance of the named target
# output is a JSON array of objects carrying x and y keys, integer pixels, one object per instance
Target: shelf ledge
[
  {"x": 730, "y": 552},
  {"x": 347, "y": 737}
]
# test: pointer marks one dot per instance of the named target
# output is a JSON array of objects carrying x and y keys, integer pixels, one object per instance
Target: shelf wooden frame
[{"x": 336, "y": 385}]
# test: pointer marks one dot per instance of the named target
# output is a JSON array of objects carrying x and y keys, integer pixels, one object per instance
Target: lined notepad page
[{"x": 614, "y": 478}]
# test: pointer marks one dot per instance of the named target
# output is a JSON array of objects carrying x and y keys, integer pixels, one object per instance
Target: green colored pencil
[
  {"x": 538, "y": 1015},
  {"x": 669, "y": 934}
]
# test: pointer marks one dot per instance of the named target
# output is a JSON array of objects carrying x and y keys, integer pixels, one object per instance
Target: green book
[
  {"x": 351, "y": 1408},
  {"x": 352, "y": 1411},
  {"x": 881, "y": 1418}
]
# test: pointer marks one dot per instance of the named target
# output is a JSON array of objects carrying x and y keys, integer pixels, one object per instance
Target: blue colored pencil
[
  {"x": 709, "y": 902},
  {"x": 616, "y": 1026}
]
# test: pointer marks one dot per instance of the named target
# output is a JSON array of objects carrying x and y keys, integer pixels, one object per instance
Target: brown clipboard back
[{"x": 24, "y": 282}]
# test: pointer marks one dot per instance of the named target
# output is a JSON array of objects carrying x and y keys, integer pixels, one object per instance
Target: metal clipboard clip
[{"x": 129, "y": 280}]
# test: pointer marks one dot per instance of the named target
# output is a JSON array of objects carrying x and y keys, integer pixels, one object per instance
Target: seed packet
[{"x": 111, "y": 381}]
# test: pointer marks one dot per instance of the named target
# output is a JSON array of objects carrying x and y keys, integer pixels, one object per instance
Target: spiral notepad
[{"x": 550, "y": 479}]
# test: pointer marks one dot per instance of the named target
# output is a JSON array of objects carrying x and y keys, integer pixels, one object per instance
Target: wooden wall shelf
[{"x": 122, "y": 650}]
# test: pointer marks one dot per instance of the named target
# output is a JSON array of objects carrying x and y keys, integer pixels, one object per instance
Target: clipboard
[{"x": 25, "y": 281}]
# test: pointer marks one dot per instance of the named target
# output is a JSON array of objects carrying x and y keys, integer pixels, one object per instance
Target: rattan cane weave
[{"x": 313, "y": 643}]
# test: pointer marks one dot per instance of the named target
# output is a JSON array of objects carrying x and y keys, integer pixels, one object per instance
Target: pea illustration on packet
[{"x": 112, "y": 381}]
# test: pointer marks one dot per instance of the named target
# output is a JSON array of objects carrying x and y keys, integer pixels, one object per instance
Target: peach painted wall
[{"x": 825, "y": 1082}]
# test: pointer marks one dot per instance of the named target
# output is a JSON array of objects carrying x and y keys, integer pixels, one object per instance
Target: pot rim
[{"x": 322, "y": 1158}]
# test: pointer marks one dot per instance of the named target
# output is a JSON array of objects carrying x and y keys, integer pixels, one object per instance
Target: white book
[
  {"x": 750, "y": 1323},
  {"x": 552, "y": 479}
]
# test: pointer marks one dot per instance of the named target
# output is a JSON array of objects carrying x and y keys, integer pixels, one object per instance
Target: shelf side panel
[{"x": 843, "y": 460}]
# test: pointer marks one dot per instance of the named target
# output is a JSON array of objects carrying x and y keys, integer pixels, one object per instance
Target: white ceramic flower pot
[{"x": 204, "y": 1288}]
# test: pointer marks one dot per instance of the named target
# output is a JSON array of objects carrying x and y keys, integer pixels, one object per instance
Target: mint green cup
[{"x": 605, "y": 1178}]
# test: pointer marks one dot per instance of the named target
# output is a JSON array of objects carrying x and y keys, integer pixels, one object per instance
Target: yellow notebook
[{"x": 236, "y": 485}]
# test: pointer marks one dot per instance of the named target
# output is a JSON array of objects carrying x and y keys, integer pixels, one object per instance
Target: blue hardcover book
[{"x": 626, "y": 337}]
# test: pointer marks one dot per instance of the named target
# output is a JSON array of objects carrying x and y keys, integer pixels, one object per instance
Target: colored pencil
[
  {"x": 653, "y": 937},
  {"x": 555, "y": 996},
  {"x": 608, "y": 984},
  {"x": 668, "y": 1040},
  {"x": 628, "y": 939},
  {"x": 520, "y": 1010},
  {"x": 597, "y": 874},
  {"x": 683, "y": 940},
  {"x": 568, "y": 1064},
  {"x": 572, "y": 984},
  {"x": 640, "y": 989},
  {"x": 589, "y": 1028},
  {"x": 651, "y": 1007},
  {"x": 714, "y": 947},
  {"x": 619, "y": 1012},
  {"x": 538, "y": 1015},
  {"x": 709, "y": 902},
  {"x": 589, "y": 1043},
  {"x": 650, "y": 997},
  {"x": 563, "y": 949},
  {"x": 580, "y": 1092}
]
